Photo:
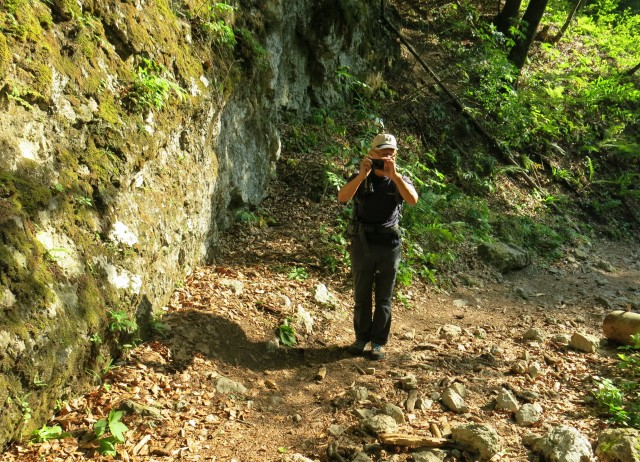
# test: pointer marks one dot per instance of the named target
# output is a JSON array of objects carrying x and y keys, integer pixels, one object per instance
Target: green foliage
[
  {"x": 255, "y": 52},
  {"x": 298, "y": 273},
  {"x": 120, "y": 321},
  {"x": 621, "y": 399},
  {"x": 211, "y": 23},
  {"x": 114, "y": 430},
  {"x": 287, "y": 333},
  {"x": 153, "y": 86},
  {"x": 46, "y": 433},
  {"x": 23, "y": 405}
]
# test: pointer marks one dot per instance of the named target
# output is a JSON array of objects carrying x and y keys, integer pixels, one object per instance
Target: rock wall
[{"x": 128, "y": 132}]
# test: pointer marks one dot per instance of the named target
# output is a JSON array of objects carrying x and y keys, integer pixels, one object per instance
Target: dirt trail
[{"x": 223, "y": 321}]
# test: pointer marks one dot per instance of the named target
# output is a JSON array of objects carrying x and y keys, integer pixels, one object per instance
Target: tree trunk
[
  {"x": 506, "y": 18},
  {"x": 632, "y": 70},
  {"x": 530, "y": 22},
  {"x": 565, "y": 26}
]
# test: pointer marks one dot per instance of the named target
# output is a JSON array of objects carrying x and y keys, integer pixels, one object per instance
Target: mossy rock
[
  {"x": 67, "y": 9},
  {"x": 5, "y": 56}
]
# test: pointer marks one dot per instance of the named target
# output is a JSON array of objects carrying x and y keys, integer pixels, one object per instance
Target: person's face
[{"x": 380, "y": 153}]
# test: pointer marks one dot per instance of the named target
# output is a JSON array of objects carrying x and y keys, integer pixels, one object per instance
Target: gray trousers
[{"x": 373, "y": 275}]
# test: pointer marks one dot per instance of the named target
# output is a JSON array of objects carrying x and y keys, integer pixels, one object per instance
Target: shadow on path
[{"x": 212, "y": 336}]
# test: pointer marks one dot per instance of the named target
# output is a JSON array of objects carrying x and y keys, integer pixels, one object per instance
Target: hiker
[{"x": 378, "y": 192}]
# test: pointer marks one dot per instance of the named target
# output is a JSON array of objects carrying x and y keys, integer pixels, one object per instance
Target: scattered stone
[
  {"x": 534, "y": 370},
  {"x": 273, "y": 345},
  {"x": 422, "y": 404},
  {"x": 364, "y": 413},
  {"x": 619, "y": 445},
  {"x": 295, "y": 458},
  {"x": 410, "y": 440},
  {"x": 270, "y": 384},
  {"x": 480, "y": 438},
  {"x": 361, "y": 457},
  {"x": 605, "y": 266},
  {"x": 528, "y": 414},
  {"x": 460, "y": 303},
  {"x": 323, "y": 296},
  {"x": 519, "y": 367},
  {"x": 360, "y": 393},
  {"x": 411, "y": 400},
  {"x": 561, "y": 339},
  {"x": 454, "y": 401},
  {"x": 143, "y": 410},
  {"x": 380, "y": 423},
  {"x": 534, "y": 334},
  {"x": 459, "y": 388},
  {"x": 321, "y": 374},
  {"x": 480, "y": 333},
  {"x": 336, "y": 430},
  {"x": 620, "y": 325},
  {"x": 393, "y": 411},
  {"x": 409, "y": 382},
  {"x": 237, "y": 287},
  {"x": 449, "y": 332},
  {"x": 507, "y": 401},
  {"x": 304, "y": 319},
  {"x": 581, "y": 254},
  {"x": 562, "y": 444},
  {"x": 409, "y": 335},
  {"x": 227, "y": 386},
  {"x": 432, "y": 455},
  {"x": 584, "y": 342}
]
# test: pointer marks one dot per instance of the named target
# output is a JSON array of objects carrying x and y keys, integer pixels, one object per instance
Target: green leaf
[
  {"x": 107, "y": 447},
  {"x": 118, "y": 429},
  {"x": 100, "y": 427},
  {"x": 47, "y": 433}
]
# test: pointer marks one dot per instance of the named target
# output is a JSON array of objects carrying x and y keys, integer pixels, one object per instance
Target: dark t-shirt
[{"x": 377, "y": 203}]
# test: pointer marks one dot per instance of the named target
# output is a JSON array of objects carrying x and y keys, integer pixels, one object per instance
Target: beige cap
[{"x": 384, "y": 141}]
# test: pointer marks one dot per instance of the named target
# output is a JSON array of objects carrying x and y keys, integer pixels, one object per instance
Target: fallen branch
[{"x": 414, "y": 441}]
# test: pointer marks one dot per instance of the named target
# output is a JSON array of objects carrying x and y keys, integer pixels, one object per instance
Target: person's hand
[
  {"x": 389, "y": 167},
  {"x": 365, "y": 166}
]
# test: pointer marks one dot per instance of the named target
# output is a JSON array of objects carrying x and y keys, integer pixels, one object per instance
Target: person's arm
[
  {"x": 407, "y": 191},
  {"x": 351, "y": 187}
]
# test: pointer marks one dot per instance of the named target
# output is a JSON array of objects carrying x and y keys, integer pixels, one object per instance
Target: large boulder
[{"x": 503, "y": 257}]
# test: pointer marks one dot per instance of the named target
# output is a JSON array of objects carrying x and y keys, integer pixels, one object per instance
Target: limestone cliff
[{"x": 128, "y": 132}]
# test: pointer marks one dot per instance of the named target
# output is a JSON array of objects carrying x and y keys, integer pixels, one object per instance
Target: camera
[{"x": 377, "y": 164}]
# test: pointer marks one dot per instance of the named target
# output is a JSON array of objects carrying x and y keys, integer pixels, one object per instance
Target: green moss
[
  {"x": 43, "y": 79},
  {"x": 110, "y": 110},
  {"x": 28, "y": 16},
  {"x": 5, "y": 56},
  {"x": 90, "y": 301},
  {"x": 67, "y": 8},
  {"x": 85, "y": 43},
  {"x": 24, "y": 193},
  {"x": 29, "y": 282}
]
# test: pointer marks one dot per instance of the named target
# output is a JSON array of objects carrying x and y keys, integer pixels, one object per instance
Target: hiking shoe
[
  {"x": 357, "y": 347},
  {"x": 377, "y": 352}
]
